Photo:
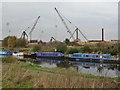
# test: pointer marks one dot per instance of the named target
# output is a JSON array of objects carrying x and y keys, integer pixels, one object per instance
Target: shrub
[
  {"x": 86, "y": 49},
  {"x": 21, "y": 42},
  {"x": 72, "y": 50},
  {"x": 36, "y": 48},
  {"x": 8, "y": 59},
  {"x": 62, "y": 47}
]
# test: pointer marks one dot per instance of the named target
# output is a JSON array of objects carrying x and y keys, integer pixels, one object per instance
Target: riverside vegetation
[
  {"x": 16, "y": 74},
  {"x": 66, "y": 47}
]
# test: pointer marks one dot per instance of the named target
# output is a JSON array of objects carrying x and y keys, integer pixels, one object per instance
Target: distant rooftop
[{"x": 95, "y": 41}]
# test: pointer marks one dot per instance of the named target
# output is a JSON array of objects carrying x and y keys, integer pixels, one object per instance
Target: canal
[{"x": 97, "y": 69}]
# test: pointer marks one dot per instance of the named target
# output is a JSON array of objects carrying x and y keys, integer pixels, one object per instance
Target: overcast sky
[{"x": 90, "y": 17}]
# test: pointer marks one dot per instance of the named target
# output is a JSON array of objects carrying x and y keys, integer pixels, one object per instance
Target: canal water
[{"x": 98, "y": 69}]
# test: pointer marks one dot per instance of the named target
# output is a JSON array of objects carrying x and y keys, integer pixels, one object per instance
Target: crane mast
[
  {"x": 68, "y": 30},
  {"x": 52, "y": 38},
  {"x": 82, "y": 34},
  {"x": 24, "y": 34},
  {"x": 76, "y": 30},
  {"x": 33, "y": 27}
]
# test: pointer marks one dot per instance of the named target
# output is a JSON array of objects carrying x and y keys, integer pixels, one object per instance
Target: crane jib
[
  {"x": 68, "y": 30},
  {"x": 33, "y": 27}
]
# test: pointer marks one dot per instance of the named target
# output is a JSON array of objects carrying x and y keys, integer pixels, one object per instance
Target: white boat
[{"x": 18, "y": 54}]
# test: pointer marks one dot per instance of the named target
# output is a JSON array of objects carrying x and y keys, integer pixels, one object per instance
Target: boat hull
[
  {"x": 57, "y": 58},
  {"x": 94, "y": 60}
]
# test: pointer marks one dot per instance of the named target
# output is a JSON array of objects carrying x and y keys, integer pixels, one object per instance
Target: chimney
[{"x": 102, "y": 34}]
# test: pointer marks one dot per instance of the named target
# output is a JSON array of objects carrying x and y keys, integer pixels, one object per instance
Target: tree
[
  {"x": 21, "y": 42},
  {"x": 5, "y": 41},
  {"x": 11, "y": 42},
  {"x": 67, "y": 41}
]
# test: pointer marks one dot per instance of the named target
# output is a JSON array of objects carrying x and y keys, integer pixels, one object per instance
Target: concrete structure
[
  {"x": 102, "y": 34},
  {"x": 33, "y": 42}
]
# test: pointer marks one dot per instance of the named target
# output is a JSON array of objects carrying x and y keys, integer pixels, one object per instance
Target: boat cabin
[
  {"x": 91, "y": 56},
  {"x": 50, "y": 54}
]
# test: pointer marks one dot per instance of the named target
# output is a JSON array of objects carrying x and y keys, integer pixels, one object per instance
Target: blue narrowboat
[
  {"x": 91, "y": 56},
  {"x": 5, "y": 52},
  {"x": 50, "y": 55}
]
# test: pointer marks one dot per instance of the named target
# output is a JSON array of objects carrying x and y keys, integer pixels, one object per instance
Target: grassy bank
[{"x": 19, "y": 74}]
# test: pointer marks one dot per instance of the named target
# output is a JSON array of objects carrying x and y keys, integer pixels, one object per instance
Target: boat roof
[
  {"x": 90, "y": 54},
  {"x": 50, "y": 52}
]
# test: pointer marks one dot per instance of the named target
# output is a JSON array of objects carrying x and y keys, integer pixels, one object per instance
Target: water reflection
[
  {"x": 98, "y": 69},
  {"x": 1, "y": 56},
  {"x": 43, "y": 62},
  {"x": 65, "y": 64}
]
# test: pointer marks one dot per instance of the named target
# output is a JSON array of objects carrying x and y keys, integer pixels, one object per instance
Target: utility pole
[
  {"x": 56, "y": 31},
  {"x": 7, "y": 24},
  {"x": 42, "y": 34}
]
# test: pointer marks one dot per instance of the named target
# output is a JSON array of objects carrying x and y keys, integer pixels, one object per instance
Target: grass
[
  {"x": 19, "y": 74},
  {"x": 61, "y": 71}
]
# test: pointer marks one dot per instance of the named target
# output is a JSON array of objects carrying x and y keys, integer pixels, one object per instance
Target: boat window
[
  {"x": 87, "y": 55},
  {"x": 104, "y": 57},
  {"x": 75, "y": 55},
  {"x": 93, "y": 56},
  {"x": 97, "y": 56},
  {"x": 80, "y": 55},
  {"x": 15, "y": 52}
]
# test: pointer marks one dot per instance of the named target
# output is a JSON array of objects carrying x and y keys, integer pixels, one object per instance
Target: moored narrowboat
[
  {"x": 5, "y": 52},
  {"x": 91, "y": 56},
  {"x": 53, "y": 55}
]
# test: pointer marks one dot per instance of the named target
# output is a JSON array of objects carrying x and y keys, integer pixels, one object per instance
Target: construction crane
[
  {"x": 52, "y": 38},
  {"x": 24, "y": 34},
  {"x": 33, "y": 27},
  {"x": 82, "y": 34},
  {"x": 68, "y": 30},
  {"x": 78, "y": 30}
]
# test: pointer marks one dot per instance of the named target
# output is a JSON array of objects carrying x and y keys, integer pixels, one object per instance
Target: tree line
[
  {"x": 11, "y": 42},
  {"x": 66, "y": 47}
]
